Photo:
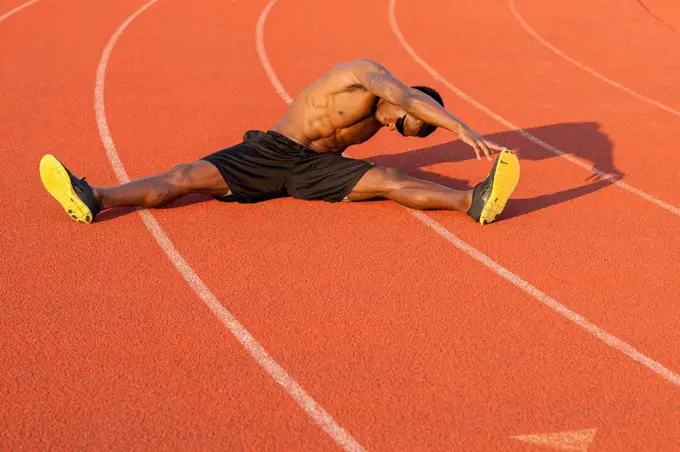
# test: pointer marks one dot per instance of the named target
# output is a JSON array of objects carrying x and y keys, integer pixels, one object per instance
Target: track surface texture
[{"x": 291, "y": 325}]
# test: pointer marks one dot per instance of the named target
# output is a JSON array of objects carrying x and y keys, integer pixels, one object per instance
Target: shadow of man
[{"x": 584, "y": 140}]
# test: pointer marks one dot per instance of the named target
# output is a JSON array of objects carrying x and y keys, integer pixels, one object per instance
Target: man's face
[
  {"x": 407, "y": 125},
  {"x": 396, "y": 118}
]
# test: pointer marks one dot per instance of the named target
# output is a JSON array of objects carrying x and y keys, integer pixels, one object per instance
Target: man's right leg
[{"x": 154, "y": 191}]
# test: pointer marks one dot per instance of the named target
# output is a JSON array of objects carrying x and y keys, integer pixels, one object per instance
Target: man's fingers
[
  {"x": 481, "y": 145},
  {"x": 495, "y": 147},
  {"x": 485, "y": 148},
  {"x": 475, "y": 146}
]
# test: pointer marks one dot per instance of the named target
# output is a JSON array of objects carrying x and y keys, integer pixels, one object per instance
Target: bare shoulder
[
  {"x": 346, "y": 77},
  {"x": 362, "y": 66},
  {"x": 353, "y": 75}
]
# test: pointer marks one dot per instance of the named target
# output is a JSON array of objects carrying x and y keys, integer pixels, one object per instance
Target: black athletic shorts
[{"x": 269, "y": 165}]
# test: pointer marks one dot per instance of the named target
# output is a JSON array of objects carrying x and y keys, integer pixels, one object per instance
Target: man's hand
[{"x": 478, "y": 143}]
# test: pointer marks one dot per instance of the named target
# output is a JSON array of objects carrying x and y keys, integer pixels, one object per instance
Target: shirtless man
[{"x": 302, "y": 155}]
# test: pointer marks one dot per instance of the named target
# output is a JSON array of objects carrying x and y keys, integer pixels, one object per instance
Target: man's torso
[{"x": 332, "y": 114}]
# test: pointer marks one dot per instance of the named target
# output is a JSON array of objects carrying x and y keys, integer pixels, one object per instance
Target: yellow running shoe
[
  {"x": 75, "y": 195},
  {"x": 489, "y": 196}
]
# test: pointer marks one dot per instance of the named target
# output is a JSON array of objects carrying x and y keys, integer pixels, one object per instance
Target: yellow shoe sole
[
  {"x": 57, "y": 182},
  {"x": 505, "y": 181}
]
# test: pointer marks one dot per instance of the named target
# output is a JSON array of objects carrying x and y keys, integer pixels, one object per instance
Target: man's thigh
[
  {"x": 326, "y": 176},
  {"x": 254, "y": 171},
  {"x": 378, "y": 182},
  {"x": 204, "y": 177}
]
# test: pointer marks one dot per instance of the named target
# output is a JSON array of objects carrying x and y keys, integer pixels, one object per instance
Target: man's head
[{"x": 397, "y": 119}]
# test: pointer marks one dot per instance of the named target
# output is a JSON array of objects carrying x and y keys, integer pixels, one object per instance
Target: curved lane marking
[{"x": 259, "y": 354}]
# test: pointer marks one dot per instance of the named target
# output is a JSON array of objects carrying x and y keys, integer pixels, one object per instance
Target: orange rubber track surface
[{"x": 403, "y": 338}]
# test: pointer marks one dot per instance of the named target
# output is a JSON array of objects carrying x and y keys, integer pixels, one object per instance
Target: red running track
[{"x": 404, "y": 339}]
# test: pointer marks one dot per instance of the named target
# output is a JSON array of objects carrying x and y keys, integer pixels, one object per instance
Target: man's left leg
[
  {"x": 392, "y": 183},
  {"x": 484, "y": 203}
]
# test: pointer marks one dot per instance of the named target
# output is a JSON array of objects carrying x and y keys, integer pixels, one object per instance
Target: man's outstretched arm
[{"x": 377, "y": 80}]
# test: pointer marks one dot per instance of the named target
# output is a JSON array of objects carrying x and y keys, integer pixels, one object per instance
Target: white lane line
[
  {"x": 259, "y": 354},
  {"x": 550, "y": 302},
  {"x": 654, "y": 16},
  {"x": 503, "y": 272},
  {"x": 548, "y": 147},
  {"x": 16, "y": 10},
  {"x": 582, "y": 66},
  {"x": 259, "y": 42}
]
